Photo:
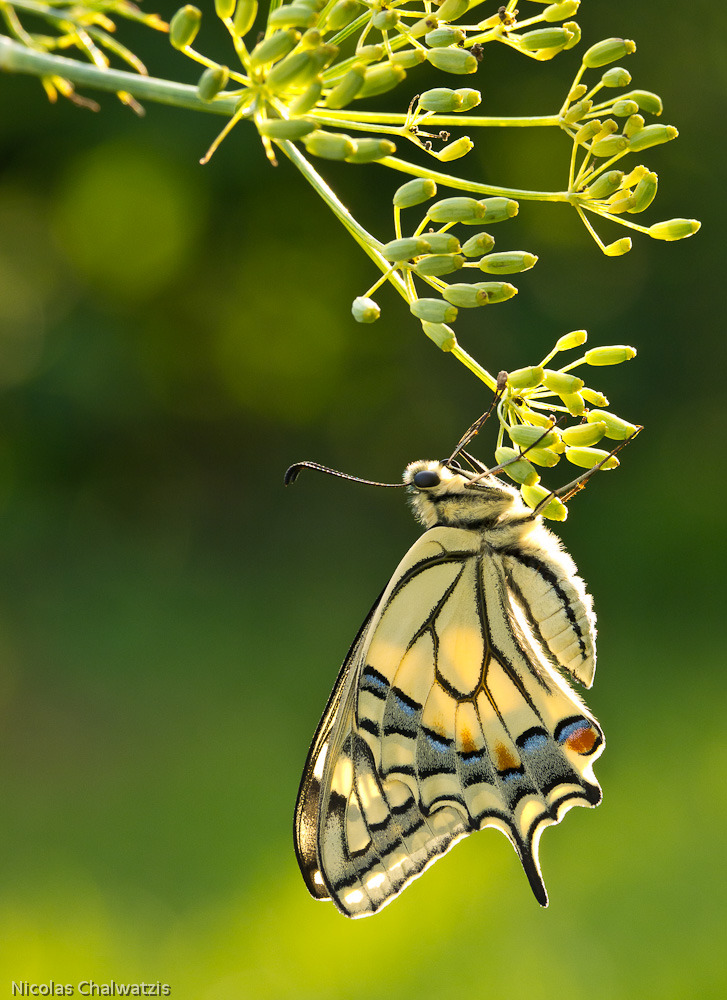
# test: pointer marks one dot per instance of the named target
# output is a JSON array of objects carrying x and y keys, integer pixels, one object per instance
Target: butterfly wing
[{"x": 447, "y": 717}]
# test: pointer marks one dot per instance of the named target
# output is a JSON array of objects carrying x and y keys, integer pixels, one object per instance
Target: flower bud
[
  {"x": 455, "y": 150},
  {"x": 379, "y": 79},
  {"x": 607, "y": 128},
  {"x": 561, "y": 382},
  {"x": 544, "y": 457},
  {"x": 422, "y": 26},
  {"x": 651, "y": 135},
  {"x": 598, "y": 357},
  {"x": 525, "y": 378},
  {"x": 347, "y": 88},
  {"x": 560, "y": 11},
  {"x": 470, "y": 98},
  {"x": 518, "y": 469},
  {"x": 224, "y": 9},
  {"x": 245, "y": 14},
  {"x": 457, "y": 210},
  {"x": 329, "y": 145},
  {"x": 543, "y": 38},
  {"x": 342, "y": 14},
  {"x": 442, "y": 335},
  {"x": 574, "y": 403},
  {"x": 370, "y": 53},
  {"x": 586, "y": 458},
  {"x": 434, "y": 310},
  {"x": 577, "y": 92},
  {"x": 594, "y": 397},
  {"x": 290, "y": 70},
  {"x": 528, "y": 437},
  {"x": 497, "y": 291},
  {"x": 645, "y": 193},
  {"x": 496, "y": 210},
  {"x": 405, "y": 249},
  {"x": 647, "y": 101},
  {"x": 674, "y": 229},
  {"x": 312, "y": 39},
  {"x": 414, "y": 192},
  {"x": 554, "y": 510},
  {"x": 441, "y": 37},
  {"x": 575, "y": 34},
  {"x": 624, "y": 108},
  {"x": 618, "y": 248},
  {"x": 439, "y": 264},
  {"x": 275, "y": 47},
  {"x": 617, "y": 76},
  {"x": 478, "y": 244},
  {"x": 369, "y": 150},
  {"x": 292, "y": 15},
  {"x": 442, "y": 242},
  {"x": 408, "y": 58},
  {"x": 609, "y": 146},
  {"x": 633, "y": 125},
  {"x": 184, "y": 26},
  {"x": 509, "y": 262},
  {"x": 608, "y": 51},
  {"x": 385, "y": 20},
  {"x": 441, "y": 99},
  {"x": 586, "y": 132},
  {"x": 465, "y": 296},
  {"x": 450, "y": 10},
  {"x": 584, "y": 435},
  {"x": 212, "y": 81},
  {"x": 606, "y": 184},
  {"x": 615, "y": 427},
  {"x": 365, "y": 310},
  {"x": 293, "y": 128},
  {"x": 456, "y": 61},
  {"x": 308, "y": 99},
  {"x": 570, "y": 340},
  {"x": 621, "y": 202},
  {"x": 577, "y": 111}
]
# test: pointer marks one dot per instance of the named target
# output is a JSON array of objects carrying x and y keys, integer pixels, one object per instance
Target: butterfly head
[{"x": 443, "y": 493}]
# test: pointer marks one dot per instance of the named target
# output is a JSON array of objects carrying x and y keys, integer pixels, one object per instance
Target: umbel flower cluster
[{"x": 303, "y": 71}]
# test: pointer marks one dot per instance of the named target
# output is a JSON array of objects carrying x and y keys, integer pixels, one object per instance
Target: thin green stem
[
  {"x": 477, "y": 369},
  {"x": 476, "y": 121},
  {"x": 464, "y": 185}
]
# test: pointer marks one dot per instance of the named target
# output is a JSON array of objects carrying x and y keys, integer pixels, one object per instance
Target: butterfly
[{"x": 453, "y": 709}]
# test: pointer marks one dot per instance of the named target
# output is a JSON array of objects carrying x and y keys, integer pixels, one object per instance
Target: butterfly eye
[{"x": 425, "y": 479}]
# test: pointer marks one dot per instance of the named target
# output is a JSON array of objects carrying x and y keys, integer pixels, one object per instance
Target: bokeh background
[{"x": 172, "y": 619}]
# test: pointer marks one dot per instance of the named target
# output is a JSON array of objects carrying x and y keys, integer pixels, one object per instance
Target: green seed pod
[
  {"x": 422, "y": 26},
  {"x": 544, "y": 457},
  {"x": 561, "y": 382},
  {"x": 570, "y": 340},
  {"x": 633, "y": 125},
  {"x": 451, "y": 10},
  {"x": 273, "y": 48},
  {"x": 554, "y": 510},
  {"x": 652, "y": 135},
  {"x": 385, "y": 20},
  {"x": 527, "y": 437},
  {"x": 609, "y": 146},
  {"x": 330, "y": 145},
  {"x": 509, "y": 262},
  {"x": 414, "y": 192},
  {"x": 293, "y": 128},
  {"x": 365, "y": 310},
  {"x": 405, "y": 249},
  {"x": 456, "y": 61},
  {"x": 577, "y": 92},
  {"x": 379, "y": 79},
  {"x": 442, "y": 242},
  {"x": 291, "y": 70},
  {"x": 497, "y": 291},
  {"x": 408, "y": 58},
  {"x": 370, "y": 53},
  {"x": 518, "y": 469},
  {"x": 470, "y": 98},
  {"x": 577, "y": 111},
  {"x": 584, "y": 435},
  {"x": 442, "y": 37},
  {"x": 624, "y": 108},
  {"x": 434, "y": 310},
  {"x": 438, "y": 264},
  {"x": 347, "y": 88},
  {"x": 465, "y": 296},
  {"x": 184, "y": 26},
  {"x": 593, "y": 397},
  {"x": 543, "y": 38},
  {"x": 619, "y": 203},
  {"x": 647, "y": 101},
  {"x": 496, "y": 210},
  {"x": 674, "y": 229},
  {"x": 606, "y": 185},
  {"x": 456, "y": 150},
  {"x": 370, "y": 150},
  {"x": 441, "y": 334},
  {"x": 586, "y": 132},
  {"x": 617, "y": 76},
  {"x": 342, "y": 14},
  {"x": 560, "y": 11},
  {"x": 292, "y": 16},
  {"x": 441, "y": 99},
  {"x": 457, "y": 210},
  {"x": 586, "y": 458},
  {"x": 608, "y": 51},
  {"x": 613, "y": 355},
  {"x": 308, "y": 99},
  {"x": 645, "y": 193},
  {"x": 478, "y": 244},
  {"x": 618, "y": 248},
  {"x": 574, "y": 402},
  {"x": 526, "y": 378},
  {"x": 212, "y": 81},
  {"x": 614, "y": 427},
  {"x": 224, "y": 9}
]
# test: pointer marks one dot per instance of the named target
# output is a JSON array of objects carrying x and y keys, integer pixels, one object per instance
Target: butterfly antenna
[
  {"x": 477, "y": 425},
  {"x": 294, "y": 471}
]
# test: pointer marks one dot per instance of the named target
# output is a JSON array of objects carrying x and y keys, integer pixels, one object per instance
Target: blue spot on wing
[
  {"x": 535, "y": 742},
  {"x": 565, "y": 731}
]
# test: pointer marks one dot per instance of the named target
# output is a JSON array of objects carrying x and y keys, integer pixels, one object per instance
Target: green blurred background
[{"x": 172, "y": 620}]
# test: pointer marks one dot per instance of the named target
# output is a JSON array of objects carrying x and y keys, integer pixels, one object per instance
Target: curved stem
[{"x": 464, "y": 185}]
